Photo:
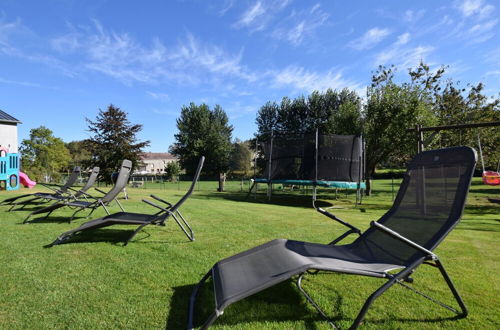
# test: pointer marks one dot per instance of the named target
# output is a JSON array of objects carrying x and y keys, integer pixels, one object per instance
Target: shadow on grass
[
  {"x": 115, "y": 237},
  {"x": 51, "y": 219},
  {"x": 281, "y": 199},
  {"x": 282, "y": 302}
]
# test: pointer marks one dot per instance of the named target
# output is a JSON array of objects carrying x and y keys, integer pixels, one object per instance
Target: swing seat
[{"x": 491, "y": 178}]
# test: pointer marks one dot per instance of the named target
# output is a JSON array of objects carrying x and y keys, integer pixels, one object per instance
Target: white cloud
[
  {"x": 474, "y": 7},
  {"x": 412, "y": 16},
  {"x": 481, "y": 32},
  {"x": 253, "y": 16},
  {"x": 120, "y": 56},
  {"x": 65, "y": 44},
  {"x": 403, "y": 56},
  {"x": 371, "y": 38},
  {"x": 302, "y": 79},
  {"x": 299, "y": 25},
  {"x": 228, "y": 4},
  {"x": 259, "y": 15},
  {"x": 24, "y": 83},
  {"x": 158, "y": 96},
  {"x": 403, "y": 39}
]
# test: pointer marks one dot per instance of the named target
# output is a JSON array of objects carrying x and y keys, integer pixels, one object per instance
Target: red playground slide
[{"x": 25, "y": 180}]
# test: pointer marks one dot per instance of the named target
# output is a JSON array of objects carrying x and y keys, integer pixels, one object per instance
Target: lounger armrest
[
  {"x": 99, "y": 190},
  {"x": 86, "y": 195},
  {"x": 161, "y": 200},
  {"x": 403, "y": 239},
  {"x": 155, "y": 205},
  {"x": 333, "y": 217},
  {"x": 51, "y": 187}
]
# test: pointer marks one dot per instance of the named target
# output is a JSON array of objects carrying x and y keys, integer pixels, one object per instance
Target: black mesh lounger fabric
[{"x": 252, "y": 271}]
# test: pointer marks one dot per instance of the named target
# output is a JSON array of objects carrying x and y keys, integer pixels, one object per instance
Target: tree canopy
[
  {"x": 390, "y": 109},
  {"x": 203, "y": 132},
  {"x": 336, "y": 112},
  {"x": 241, "y": 157},
  {"x": 113, "y": 138},
  {"x": 43, "y": 155},
  {"x": 79, "y": 153}
]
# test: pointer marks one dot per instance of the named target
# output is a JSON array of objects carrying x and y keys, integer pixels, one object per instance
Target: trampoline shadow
[{"x": 303, "y": 201}]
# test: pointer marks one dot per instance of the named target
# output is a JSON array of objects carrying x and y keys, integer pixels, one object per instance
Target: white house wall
[{"x": 8, "y": 136}]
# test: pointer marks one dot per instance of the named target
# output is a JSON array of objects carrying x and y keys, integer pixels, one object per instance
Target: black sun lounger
[
  {"x": 427, "y": 207},
  {"x": 141, "y": 220},
  {"x": 81, "y": 205},
  {"x": 40, "y": 198},
  {"x": 75, "y": 195}
]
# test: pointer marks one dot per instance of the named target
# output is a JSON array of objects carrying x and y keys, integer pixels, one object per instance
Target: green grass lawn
[{"x": 94, "y": 282}]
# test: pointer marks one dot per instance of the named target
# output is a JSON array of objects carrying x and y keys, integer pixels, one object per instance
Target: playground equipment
[
  {"x": 491, "y": 178},
  {"x": 9, "y": 170},
  {"x": 332, "y": 161},
  {"x": 25, "y": 180}
]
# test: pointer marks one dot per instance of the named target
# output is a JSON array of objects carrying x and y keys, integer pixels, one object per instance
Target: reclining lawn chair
[
  {"x": 427, "y": 207},
  {"x": 81, "y": 205},
  {"x": 40, "y": 198},
  {"x": 140, "y": 219},
  {"x": 73, "y": 196}
]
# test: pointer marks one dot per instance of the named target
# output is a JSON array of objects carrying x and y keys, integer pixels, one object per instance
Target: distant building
[
  {"x": 155, "y": 162},
  {"x": 8, "y": 132}
]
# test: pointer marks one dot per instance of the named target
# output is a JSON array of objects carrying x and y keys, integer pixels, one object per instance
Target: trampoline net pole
[{"x": 315, "y": 168}]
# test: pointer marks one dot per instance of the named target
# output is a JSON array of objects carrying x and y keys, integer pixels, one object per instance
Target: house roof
[
  {"x": 6, "y": 118},
  {"x": 157, "y": 155}
]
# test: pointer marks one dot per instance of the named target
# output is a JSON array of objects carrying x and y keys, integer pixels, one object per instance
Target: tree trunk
[
  {"x": 368, "y": 190},
  {"x": 222, "y": 180}
]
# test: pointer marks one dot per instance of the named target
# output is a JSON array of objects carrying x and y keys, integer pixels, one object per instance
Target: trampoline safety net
[{"x": 339, "y": 158}]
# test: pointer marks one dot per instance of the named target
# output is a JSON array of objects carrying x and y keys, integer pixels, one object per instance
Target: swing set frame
[{"x": 489, "y": 177}]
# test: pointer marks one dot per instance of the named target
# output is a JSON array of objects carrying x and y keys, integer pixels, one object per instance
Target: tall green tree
[
  {"x": 332, "y": 112},
  {"x": 204, "y": 132},
  {"x": 44, "y": 156},
  {"x": 241, "y": 157},
  {"x": 79, "y": 153},
  {"x": 456, "y": 105},
  {"x": 172, "y": 171},
  {"x": 113, "y": 138},
  {"x": 392, "y": 109}
]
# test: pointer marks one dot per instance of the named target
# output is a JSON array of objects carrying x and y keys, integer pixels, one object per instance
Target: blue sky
[{"x": 62, "y": 60}]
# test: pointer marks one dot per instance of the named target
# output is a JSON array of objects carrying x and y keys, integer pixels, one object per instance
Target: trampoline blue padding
[{"x": 321, "y": 183}]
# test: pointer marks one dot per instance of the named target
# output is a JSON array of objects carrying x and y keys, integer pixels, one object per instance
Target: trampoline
[{"x": 326, "y": 160}]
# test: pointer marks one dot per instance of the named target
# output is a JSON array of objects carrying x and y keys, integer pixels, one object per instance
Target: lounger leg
[
  {"x": 446, "y": 277},
  {"x": 74, "y": 213},
  {"x": 192, "y": 299},
  {"x": 59, "y": 239},
  {"x": 369, "y": 301},
  {"x": 189, "y": 235},
  {"x": 48, "y": 209},
  {"x": 392, "y": 280},
  {"x": 457, "y": 296},
  {"x": 135, "y": 233},
  {"x": 299, "y": 285}
]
